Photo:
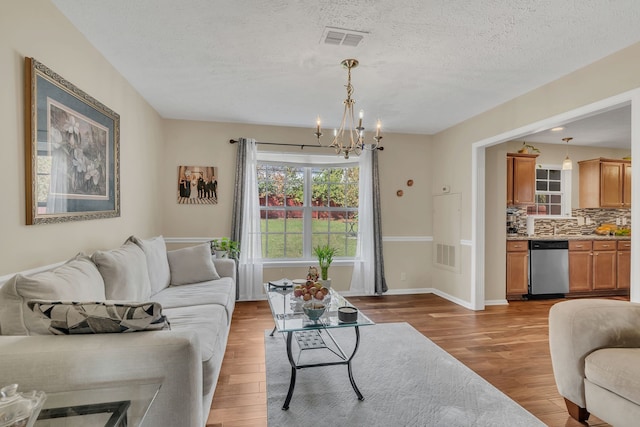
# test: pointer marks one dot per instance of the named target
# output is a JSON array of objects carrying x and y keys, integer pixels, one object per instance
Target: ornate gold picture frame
[{"x": 72, "y": 151}]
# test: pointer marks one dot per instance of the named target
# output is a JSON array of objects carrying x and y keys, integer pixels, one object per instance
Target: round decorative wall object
[
  {"x": 399, "y": 193},
  {"x": 410, "y": 183}
]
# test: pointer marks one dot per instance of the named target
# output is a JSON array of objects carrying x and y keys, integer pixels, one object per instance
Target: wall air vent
[
  {"x": 342, "y": 37},
  {"x": 446, "y": 255}
]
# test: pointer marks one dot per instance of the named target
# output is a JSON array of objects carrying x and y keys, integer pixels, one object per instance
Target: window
[
  {"x": 553, "y": 192},
  {"x": 303, "y": 206}
]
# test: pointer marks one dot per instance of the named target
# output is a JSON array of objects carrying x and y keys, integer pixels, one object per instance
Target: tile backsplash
[{"x": 582, "y": 221}]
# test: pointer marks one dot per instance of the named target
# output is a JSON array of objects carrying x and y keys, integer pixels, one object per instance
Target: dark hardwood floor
[{"x": 506, "y": 345}]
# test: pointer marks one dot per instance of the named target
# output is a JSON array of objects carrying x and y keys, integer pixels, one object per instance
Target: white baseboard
[
  {"x": 414, "y": 291},
  {"x": 496, "y": 302}
]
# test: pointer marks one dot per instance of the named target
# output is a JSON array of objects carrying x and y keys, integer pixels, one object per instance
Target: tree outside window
[{"x": 302, "y": 207}]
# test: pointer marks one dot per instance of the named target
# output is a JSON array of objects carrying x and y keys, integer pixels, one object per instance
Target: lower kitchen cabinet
[
  {"x": 596, "y": 268},
  {"x": 623, "y": 265},
  {"x": 517, "y": 268},
  {"x": 599, "y": 267},
  {"x": 580, "y": 266},
  {"x": 604, "y": 265}
]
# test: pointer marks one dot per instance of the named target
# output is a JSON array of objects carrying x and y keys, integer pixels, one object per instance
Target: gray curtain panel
[
  {"x": 238, "y": 198},
  {"x": 380, "y": 281}
]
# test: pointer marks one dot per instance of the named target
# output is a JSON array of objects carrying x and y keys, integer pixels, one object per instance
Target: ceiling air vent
[{"x": 342, "y": 37}]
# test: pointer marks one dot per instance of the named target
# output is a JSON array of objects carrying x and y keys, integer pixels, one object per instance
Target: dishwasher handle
[{"x": 548, "y": 244}]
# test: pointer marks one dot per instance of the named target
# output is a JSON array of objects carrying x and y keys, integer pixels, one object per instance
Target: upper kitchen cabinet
[
  {"x": 521, "y": 179},
  {"x": 605, "y": 183}
]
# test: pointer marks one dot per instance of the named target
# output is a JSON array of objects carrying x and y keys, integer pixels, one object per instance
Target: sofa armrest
[
  {"x": 75, "y": 362},
  {"x": 579, "y": 327},
  {"x": 226, "y": 267}
]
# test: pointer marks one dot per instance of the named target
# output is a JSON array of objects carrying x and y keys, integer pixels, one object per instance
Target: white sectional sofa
[{"x": 173, "y": 308}]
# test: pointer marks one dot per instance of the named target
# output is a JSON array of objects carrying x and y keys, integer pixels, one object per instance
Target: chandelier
[{"x": 349, "y": 138}]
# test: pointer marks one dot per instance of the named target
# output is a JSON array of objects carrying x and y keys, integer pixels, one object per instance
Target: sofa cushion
[
  {"x": 70, "y": 318},
  {"x": 125, "y": 273},
  {"x": 155, "y": 250},
  {"x": 221, "y": 291},
  {"x": 191, "y": 265},
  {"x": 210, "y": 325},
  {"x": 78, "y": 278},
  {"x": 617, "y": 370}
]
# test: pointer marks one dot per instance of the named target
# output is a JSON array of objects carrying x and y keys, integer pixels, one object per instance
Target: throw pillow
[
  {"x": 125, "y": 273},
  {"x": 192, "y": 265},
  {"x": 78, "y": 278},
  {"x": 155, "y": 249},
  {"x": 69, "y": 318}
]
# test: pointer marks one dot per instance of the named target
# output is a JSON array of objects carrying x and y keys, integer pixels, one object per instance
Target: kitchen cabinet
[
  {"x": 517, "y": 268},
  {"x": 623, "y": 265},
  {"x": 521, "y": 179},
  {"x": 580, "y": 265},
  {"x": 604, "y": 264},
  {"x": 605, "y": 183},
  {"x": 626, "y": 193}
]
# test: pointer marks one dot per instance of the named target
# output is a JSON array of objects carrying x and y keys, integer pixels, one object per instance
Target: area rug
[{"x": 405, "y": 378}]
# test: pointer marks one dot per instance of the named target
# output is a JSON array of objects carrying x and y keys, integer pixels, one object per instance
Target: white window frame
[
  {"x": 308, "y": 161},
  {"x": 565, "y": 177}
]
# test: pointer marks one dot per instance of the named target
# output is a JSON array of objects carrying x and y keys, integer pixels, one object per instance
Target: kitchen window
[
  {"x": 306, "y": 205},
  {"x": 553, "y": 192}
]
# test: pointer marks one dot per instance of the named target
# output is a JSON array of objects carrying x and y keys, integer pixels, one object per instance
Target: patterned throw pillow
[{"x": 69, "y": 318}]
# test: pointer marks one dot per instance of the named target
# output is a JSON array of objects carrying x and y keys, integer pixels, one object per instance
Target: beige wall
[
  {"x": 37, "y": 29},
  {"x": 151, "y": 150},
  {"x": 404, "y": 157},
  {"x": 610, "y": 76}
]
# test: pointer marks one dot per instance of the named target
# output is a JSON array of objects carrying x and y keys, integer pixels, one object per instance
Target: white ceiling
[
  {"x": 610, "y": 128},
  {"x": 425, "y": 65}
]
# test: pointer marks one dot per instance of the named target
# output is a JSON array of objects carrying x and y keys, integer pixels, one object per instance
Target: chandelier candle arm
[{"x": 318, "y": 132}]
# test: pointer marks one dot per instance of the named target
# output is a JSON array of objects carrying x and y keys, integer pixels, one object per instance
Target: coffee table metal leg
[
  {"x": 353, "y": 382},
  {"x": 292, "y": 383}
]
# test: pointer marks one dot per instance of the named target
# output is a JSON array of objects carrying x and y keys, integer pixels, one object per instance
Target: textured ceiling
[{"x": 425, "y": 65}]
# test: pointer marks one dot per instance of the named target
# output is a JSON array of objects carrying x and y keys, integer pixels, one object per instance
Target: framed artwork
[
  {"x": 72, "y": 151},
  {"x": 197, "y": 185}
]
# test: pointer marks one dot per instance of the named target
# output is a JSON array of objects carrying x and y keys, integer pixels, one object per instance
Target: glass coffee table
[
  {"x": 308, "y": 334},
  {"x": 118, "y": 405}
]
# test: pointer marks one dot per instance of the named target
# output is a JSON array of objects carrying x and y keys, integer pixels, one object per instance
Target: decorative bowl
[{"x": 313, "y": 310}]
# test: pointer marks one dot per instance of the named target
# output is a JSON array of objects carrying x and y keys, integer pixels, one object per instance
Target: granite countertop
[{"x": 569, "y": 237}]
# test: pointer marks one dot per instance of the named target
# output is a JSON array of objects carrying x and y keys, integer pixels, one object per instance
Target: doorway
[{"x": 479, "y": 207}]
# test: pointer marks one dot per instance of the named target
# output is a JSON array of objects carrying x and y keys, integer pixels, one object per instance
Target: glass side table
[{"x": 115, "y": 405}]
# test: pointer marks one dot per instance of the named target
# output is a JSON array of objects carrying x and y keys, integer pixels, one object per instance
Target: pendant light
[{"x": 567, "y": 165}]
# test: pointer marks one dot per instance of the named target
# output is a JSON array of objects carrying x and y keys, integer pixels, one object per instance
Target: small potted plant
[
  {"x": 225, "y": 248},
  {"x": 527, "y": 148},
  {"x": 325, "y": 255}
]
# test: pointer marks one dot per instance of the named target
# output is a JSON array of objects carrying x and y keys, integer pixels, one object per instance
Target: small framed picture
[{"x": 197, "y": 185}]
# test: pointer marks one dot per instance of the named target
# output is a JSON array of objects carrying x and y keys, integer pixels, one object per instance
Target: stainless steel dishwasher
[{"x": 548, "y": 268}]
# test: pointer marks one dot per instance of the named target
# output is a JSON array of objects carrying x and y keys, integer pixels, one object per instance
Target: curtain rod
[{"x": 233, "y": 141}]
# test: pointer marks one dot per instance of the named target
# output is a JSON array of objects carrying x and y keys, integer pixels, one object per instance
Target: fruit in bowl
[
  {"x": 313, "y": 310},
  {"x": 310, "y": 290}
]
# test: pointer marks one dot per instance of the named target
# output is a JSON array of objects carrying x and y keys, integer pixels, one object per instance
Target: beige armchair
[{"x": 595, "y": 352}]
